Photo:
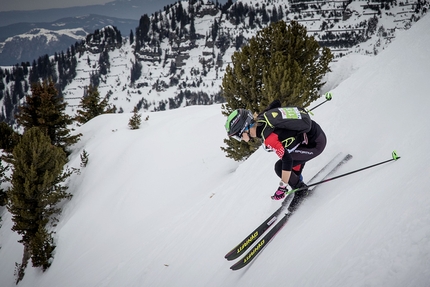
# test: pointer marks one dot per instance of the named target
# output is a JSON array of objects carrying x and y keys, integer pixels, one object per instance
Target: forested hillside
[{"x": 153, "y": 67}]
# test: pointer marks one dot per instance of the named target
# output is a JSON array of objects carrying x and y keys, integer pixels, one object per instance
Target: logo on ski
[
  {"x": 248, "y": 242},
  {"x": 253, "y": 251}
]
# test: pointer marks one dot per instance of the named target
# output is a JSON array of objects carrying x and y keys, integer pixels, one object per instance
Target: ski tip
[
  {"x": 237, "y": 266},
  {"x": 394, "y": 155},
  {"x": 328, "y": 96},
  {"x": 231, "y": 255}
]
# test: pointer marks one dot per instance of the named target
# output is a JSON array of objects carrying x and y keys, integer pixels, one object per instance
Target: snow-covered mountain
[
  {"x": 178, "y": 68},
  {"x": 125, "y": 9},
  {"x": 25, "y": 42},
  {"x": 16, "y": 25},
  {"x": 162, "y": 205}
]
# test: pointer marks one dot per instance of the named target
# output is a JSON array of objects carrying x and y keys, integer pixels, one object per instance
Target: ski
[
  {"x": 254, "y": 235},
  {"x": 251, "y": 238},
  {"x": 271, "y": 234}
]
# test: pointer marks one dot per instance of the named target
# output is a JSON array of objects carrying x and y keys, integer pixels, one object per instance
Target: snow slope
[{"x": 161, "y": 206}]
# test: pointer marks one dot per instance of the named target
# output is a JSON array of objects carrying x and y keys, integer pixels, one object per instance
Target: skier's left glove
[{"x": 280, "y": 193}]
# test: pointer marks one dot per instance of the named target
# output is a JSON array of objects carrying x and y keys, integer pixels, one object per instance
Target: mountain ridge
[
  {"x": 16, "y": 47},
  {"x": 178, "y": 56},
  {"x": 130, "y": 9}
]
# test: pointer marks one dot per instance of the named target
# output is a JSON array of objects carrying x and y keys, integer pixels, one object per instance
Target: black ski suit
[{"x": 294, "y": 148}]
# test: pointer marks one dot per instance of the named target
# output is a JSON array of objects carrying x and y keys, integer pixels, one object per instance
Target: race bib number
[{"x": 290, "y": 113}]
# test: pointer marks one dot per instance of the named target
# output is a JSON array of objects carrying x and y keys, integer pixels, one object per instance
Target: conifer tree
[
  {"x": 45, "y": 109},
  {"x": 3, "y": 197},
  {"x": 104, "y": 64},
  {"x": 84, "y": 158},
  {"x": 281, "y": 62},
  {"x": 135, "y": 120},
  {"x": 9, "y": 138},
  {"x": 193, "y": 35},
  {"x": 92, "y": 105},
  {"x": 136, "y": 71},
  {"x": 131, "y": 37},
  {"x": 37, "y": 187}
]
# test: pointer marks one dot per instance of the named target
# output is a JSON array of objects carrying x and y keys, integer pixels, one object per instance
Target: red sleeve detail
[{"x": 274, "y": 144}]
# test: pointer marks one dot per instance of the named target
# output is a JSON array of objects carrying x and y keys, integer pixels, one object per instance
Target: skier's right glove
[{"x": 280, "y": 193}]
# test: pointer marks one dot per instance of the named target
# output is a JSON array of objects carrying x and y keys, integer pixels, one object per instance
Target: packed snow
[{"x": 162, "y": 205}]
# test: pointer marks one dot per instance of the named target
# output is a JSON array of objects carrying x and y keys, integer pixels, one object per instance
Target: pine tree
[
  {"x": 104, "y": 63},
  {"x": 281, "y": 62},
  {"x": 9, "y": 138},
  {"x": 214, "y": 30},
  {"x": 92, "y": 105},
  {"x": 3, "y": 196},
  {"x": 142, "y": 30},
  {"x": 131, "y": 37},
  {"x": 193, "y": 35},
  {"x": 136, "y": 71},
  {"x": 37, "y": 187},
  {"x": 34, "y": 75},
  {"x": 84, "y": 158},
  {"x": 135, "y": 120},
  {"x": 45, "y": 109}
]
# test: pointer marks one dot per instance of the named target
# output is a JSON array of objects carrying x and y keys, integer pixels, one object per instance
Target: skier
[{"x": 289, "y": 132}]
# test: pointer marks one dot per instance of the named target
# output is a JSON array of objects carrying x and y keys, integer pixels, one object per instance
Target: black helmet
[{"x": 237, "y": 122}]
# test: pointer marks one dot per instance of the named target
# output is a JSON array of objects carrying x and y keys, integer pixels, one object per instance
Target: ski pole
[
  {"x": 328, "y": 97},
  {"x": 394, "y": 158}
]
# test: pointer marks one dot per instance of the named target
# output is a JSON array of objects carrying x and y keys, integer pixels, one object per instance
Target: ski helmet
[{"x": 237, "y": 122}]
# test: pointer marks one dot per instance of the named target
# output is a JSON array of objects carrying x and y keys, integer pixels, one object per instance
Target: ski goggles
[{"x": 238, "y": 136}]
